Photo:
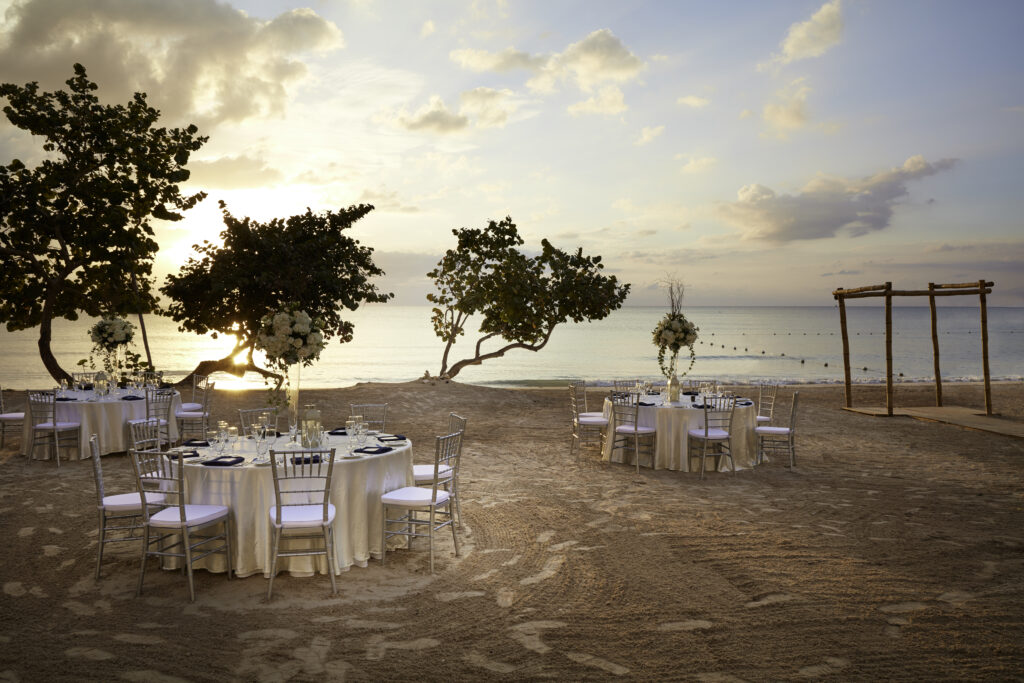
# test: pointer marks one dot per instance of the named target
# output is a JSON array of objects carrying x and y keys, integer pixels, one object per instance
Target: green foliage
[
  {"x": 303, "y": 262},
  {"x": 521, "y": 298},
  {"x": 75, "y": 231}
]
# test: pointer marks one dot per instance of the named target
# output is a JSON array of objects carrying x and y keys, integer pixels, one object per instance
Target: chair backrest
[
  {"x": 624, "y": 385},
  {"x": 158, "y": 403},
  {"x": 375, "y": 415},
  {"x": 144, "y": 435},
  {"x": 574, "y": 401},
  {"x": 302, "y": 478},
  {"x": 3, "y": 408},
  {"x": 251, "y": 416},
  {"x": 84, "y": 377},
  {"x": 626, "y": 410},
  {"x": 766, "y": 399},
  {"x": 97, "y": 469},
  {"x": 446, "y": 460},
  {"x": 718, "y": 412},
  {"x": 456, "y": 423},
  {"x": 41, "y": 407},
  {"x": 156, "y": 474},
  {"x": 581, "y": 393},
  {"x": 200, "y": 383}
]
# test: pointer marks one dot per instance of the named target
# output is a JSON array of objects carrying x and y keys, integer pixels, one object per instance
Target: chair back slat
[
  {"x": 718, "y": 412},
  {"x": 766, "y": 394},
  {"x": 42, "y": 407},
  {"x": 156, "y": 473},
  {"x": 97, "y": 469},
  {"x": 145, "y": 435},
  {"x": 446, "y": 461},
  {"x": 375, "y": 415}
]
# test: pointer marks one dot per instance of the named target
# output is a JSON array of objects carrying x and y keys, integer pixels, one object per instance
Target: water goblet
[
  {"x": 350, "y": 430},
  {"x": 362, "y": 431},
  {"x": 233, "y": 437},
  {"x": 212, "y": 437}
]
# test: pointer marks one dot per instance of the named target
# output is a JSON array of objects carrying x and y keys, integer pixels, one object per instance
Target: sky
[{"x": 763, "y": 153}]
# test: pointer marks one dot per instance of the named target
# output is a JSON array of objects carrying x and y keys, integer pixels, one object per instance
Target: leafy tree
[
  {"x": 521, "y": 298},
  {"x": 302, "y": 262},
  {"x": 75, "y": 231}
]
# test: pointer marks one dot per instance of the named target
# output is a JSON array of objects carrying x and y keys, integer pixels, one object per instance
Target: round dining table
[
  {"x": 248, "y": 489},
  {"x": 672, "y": 422},
  {"x": 105, "y": 416}
]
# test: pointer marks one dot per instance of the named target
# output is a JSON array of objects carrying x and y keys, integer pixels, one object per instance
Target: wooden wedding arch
[{"x": 981, "y": 288}]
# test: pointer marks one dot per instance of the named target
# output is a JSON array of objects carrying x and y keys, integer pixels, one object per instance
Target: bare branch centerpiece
[
  {"x": 673, "y": 333},
  {"x": 290, "y": 339}
]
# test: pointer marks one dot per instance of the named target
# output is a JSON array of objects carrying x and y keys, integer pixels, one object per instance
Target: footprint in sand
[
  {"x": 93, "y": 653},
  {"x": 545, "y": 536},
  {"x": 597, "y": 662},
  {"x": 138, "y": 639},
  {"x": 477, "y": 659},
  {"x": 769, "y": 599},
  {"x": 51, "y": 550},
  {"x": 692, "y": 625},
  {"x": 903, "y": 607},
  {"x": 550, "y": 569},
  {"x": 14, "y": 589},
  {"x": 150, "y": 676},
  {"x": 955, "y": 598},
  {"x": 26, "y": 531},
  {"x": 831, "y": 665},
  {"x": 506, "y": 597},
  {"x": 528, "y": 633},
  {"x": 377, "y": 646},
  {"x": 458, "y": 595}
]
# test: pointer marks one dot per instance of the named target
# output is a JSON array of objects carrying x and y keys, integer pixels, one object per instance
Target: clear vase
[
  {"x": 673, "y": 388},
  {"x": 291, "y": 391}
]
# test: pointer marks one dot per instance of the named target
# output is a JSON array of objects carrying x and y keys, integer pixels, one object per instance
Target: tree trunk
[
  {"x": 481, "y": 357},
  {"x": 228, "y": 365},
  {"x": 46, "y": 353}
]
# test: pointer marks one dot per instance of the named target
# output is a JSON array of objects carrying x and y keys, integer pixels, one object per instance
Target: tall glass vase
[
  {"x": 673, "y": 388},
  {"x": 292, "y": 394}
]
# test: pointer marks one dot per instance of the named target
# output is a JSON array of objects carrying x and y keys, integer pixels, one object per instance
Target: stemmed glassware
[{"x": 362, "y": 431}]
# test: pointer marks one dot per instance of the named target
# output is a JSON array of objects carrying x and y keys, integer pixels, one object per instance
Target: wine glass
[
  {"x": 233, "y": 436},
  {"x": 362, "y": 431},
  {"x": 212, "y": 438}
]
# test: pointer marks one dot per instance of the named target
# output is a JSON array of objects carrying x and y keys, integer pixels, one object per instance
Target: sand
[{"x": 894, "y": 550}]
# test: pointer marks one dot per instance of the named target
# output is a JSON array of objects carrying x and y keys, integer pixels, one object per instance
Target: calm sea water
[{"x": 737, "y": 344}]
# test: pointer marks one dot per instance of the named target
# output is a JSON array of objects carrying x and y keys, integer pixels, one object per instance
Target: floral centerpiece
[
  {"x": 290, "y": 339},
  {"x": 672, "y": 334},
  {"x": 110, "y": 339}
]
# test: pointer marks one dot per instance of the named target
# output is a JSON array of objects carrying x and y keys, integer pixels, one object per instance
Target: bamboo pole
[
  {"x": 846, "y": 351},
  {"x": 856, "y": 290},
  {"x": 984, "y": 349},
  {"x": 935, "y": 346},
  {"x": 919, "y": 292},
  {"x": 888, "y": 349}
]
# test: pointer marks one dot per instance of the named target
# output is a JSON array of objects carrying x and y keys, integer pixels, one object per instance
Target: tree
[
  {"x": 521, "y": 298},
  {"x": 75, "y": 231},
  {"x": 303, "y": 261}
]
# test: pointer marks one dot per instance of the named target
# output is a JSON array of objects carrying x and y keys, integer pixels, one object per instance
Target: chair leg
[
  {"x": 458, "y": 507},
  {"x": 636, "y": 451},
  {"x": 455, "y": 537},
  {"x": 188, "y": 566},
  {"x": 145, "y": 556},
  {"x": 227, "y": 544},
  {"x": 273, "y": 562},
  {"x": 384, "y": 536},
  {"x": 329, "y": 547},
  {"x": 430, "y": 533},
  {"x": 102, "y": 539}
]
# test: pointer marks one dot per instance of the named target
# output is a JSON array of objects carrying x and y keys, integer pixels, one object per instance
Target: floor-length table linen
[
  {"x": 356, "y": 490},
  {"x": 672, "y": 422},
  {"x": 107, "y": 417}
]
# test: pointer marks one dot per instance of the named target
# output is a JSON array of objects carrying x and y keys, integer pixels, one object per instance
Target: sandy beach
[{"x": 894, "y": 550}]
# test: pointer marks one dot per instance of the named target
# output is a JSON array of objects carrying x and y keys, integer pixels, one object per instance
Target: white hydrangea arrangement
[
  {"x": 110, "y": 333},
  {"x": 290, "y": 337},
  {"x": 674, "y": 333}
]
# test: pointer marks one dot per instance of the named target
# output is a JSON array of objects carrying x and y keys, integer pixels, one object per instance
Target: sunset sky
[{"x": 764, "y": 152}]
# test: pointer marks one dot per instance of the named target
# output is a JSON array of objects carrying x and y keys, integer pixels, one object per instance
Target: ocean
[{"x": 736, "y": 345}]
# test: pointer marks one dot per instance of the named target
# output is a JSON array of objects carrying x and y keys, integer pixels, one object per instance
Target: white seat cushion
[
  {"x": 712, "y": 435},
  {"x": 190, "y": 407},
  {"x": 61, "y": 426},
  {"x": 190, "y": 414},
  {"x": 763, "y": 418},
  {"x": 775, "y": 431},
  {"x": 592, "y": 414},
  {"x": 194, "y": 515},
  {"x": 130, "y": 502},
  {"x": 599, "y": 421},
  {"x": 425, "y": 473},
  {"x": 301, "y": 516},
  {"x": 629, "y": 429},
  {"x": 163, "y": 422},
  {"x": 413, "y": 497},
  {"x": 12, "y": 417}
]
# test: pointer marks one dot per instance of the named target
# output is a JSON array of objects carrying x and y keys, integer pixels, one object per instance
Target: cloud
[
  {"x": 648, "y": 134},
  {"x": 386, "y": 200},
  {"x": 490, "y": 108},
  {"x": 229, "y": 173},
  {"x": 694, "y": 101},
  {"x": 428, "y": 28},
  {"x": 696, "y": 164},
  {"x": 789, "y": 112},
  {"x": 607, "y": 101},
  {"x": 827, "y": 205},
  {"x": 841, "y": 272},
  {"x": 599, "y": 59},
  {"x": 200, "y": 60},
  {"x": 434, "y": 117},
  {"x": 745, "y": 114},
  {"x": 811, "y": 38}
]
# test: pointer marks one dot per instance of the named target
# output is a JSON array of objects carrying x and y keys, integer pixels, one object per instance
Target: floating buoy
[
  {"x": 826, "y": 365},
  {"x": 783, "y": 355},
  {"x": 801, "y": 361},
  {"x": 762, "y": 352},
  {"x": 865, "y": 369}
]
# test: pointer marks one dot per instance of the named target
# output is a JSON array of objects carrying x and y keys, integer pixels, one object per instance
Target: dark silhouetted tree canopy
[
  {"x": 304, "y": 260},
  {"x": 521, "y": 298},
  {"x": 75, "y": 231}
]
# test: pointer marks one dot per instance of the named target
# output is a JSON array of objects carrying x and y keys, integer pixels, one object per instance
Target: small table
[
  {"x": 673, "y": 421},
  {"x": 248, "y": 489},
  {"x": 105, "y": 416}
]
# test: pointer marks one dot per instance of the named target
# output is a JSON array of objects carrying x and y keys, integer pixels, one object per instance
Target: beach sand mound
[{"x": 894, "y": 550}]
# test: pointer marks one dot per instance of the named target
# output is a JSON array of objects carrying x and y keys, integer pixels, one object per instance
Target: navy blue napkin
[
  {"x": 646, "y": 404},
  {"x": 132, "y": 398},
  {"x": 393, "y": 437},
  {"x": 373, "y": 450},
  {"x": 691, "y": 393},
  {"x": 340, "y": 431},
  {"x": 225, "y": 461},
  {"x": 699, "y": 405},
  {"x": 199, "y": 443},
  {"x": 65, "y": 398},
  {"x": 189, "y": 454},
  {"x": 744, "y": 403},
  {"x": 306, "y": 459}
]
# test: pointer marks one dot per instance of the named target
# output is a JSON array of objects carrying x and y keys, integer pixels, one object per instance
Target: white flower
[
  {"x": 296, "y": 342},
  {"x": 301, "y": 327}
]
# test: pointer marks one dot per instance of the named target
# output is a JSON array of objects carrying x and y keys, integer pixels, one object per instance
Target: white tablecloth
[
  {"x": 248, "y": 490},
  {"x": 672, "y": 423},
  {"x": 107, "y": 418}
]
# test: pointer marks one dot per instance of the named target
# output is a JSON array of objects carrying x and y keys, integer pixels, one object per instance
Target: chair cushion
[
  {"x": 592, "y": 421},
  {"x": 163, "y": 422},
  {"x": 629, "y": 429},
  {"x": 425, "y": 473},
  {"x": 301, "y": 515},
  {"x": 130, "y": 502},
  {"x": 61, "y": 426},
  {"x": 774, "y": 431},
  {"x": 190, "y": 414},
  {"x": 12, "y": 417},
  {"x": 592, "y": 414},
  {"x": 190, "y": 407},
  {"x": 195, "y": 515},
  {"x": 763, "y": 418},
  {"x": 712, "y": 435},
  {"x": 413, "y": 497}
]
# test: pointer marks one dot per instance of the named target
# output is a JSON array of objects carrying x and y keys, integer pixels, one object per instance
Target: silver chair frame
[
  {"x": 626, "y": 412},
  {"x": 375, "y": 415},
  {"x": 43, "y": 410},
  {"x": 13, "y": 423},
  {"x": 718, "y": 414},
  {"x": 780, "y": 443}
]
